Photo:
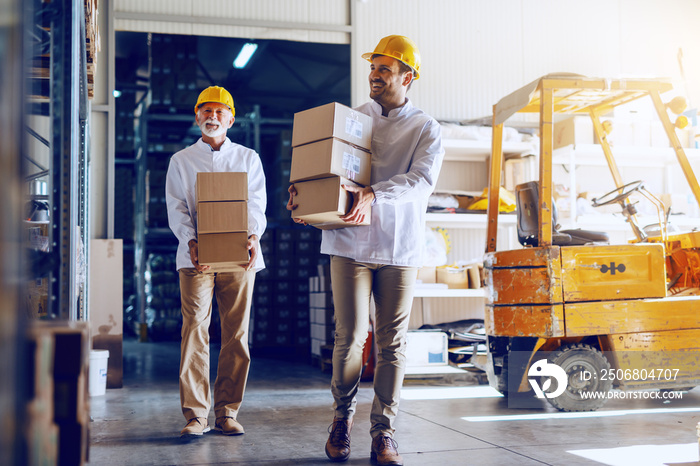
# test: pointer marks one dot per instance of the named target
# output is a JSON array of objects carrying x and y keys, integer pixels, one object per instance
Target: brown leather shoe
[
  {"x": 195, "y": 427},
  {"x": 384, "y": 451},
  {"x": 229, "y": 426},
  {"x": 338, "y": 444}
]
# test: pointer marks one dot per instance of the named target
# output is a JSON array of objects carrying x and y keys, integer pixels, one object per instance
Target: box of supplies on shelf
[{"x": 332, "y": 120}]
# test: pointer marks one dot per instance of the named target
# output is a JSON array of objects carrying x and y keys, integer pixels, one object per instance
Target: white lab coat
[
  {"x": 180, "y": 191},
  {"x": 407, "y": 155}
]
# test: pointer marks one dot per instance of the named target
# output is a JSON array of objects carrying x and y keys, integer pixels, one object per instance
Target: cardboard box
[
  {"x": 329, "y": 157},
  {"x": 572, "y": 131},
  {"x": 322, "y": 202},
  {"x": 38, "y": 235},
  {"x": 332, "y": 120},
  {"x": 222, "y": 217},
  {"x": 454, "y": 277},
  {"x": 223, "y": 252},
  {"x": 221, "y": 186},
  {"x": 37, "y": 298},
  {"x": 106, "y": 298},
  {"x": 427, "y": 274},
  {"x": 474, "y": 271}
]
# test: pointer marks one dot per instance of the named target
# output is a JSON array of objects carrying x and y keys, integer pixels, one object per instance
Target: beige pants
[
  {"x": 234, "y": 291},
  {"x": 353, "y": 285}
]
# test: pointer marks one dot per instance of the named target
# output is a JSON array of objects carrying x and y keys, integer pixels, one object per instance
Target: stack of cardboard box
[
  {"x": 280, "y": 316},
  {"x": 331, "y": 148},
  {"x": 321, "y": 311},
  {"x": 222, "y": 220},
  {"x": 58, "y": 412}
]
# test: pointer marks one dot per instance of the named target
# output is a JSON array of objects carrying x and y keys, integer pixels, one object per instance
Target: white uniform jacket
[
  {"x": 407, "y": 155},
  {"x": 180, "y": 191}
]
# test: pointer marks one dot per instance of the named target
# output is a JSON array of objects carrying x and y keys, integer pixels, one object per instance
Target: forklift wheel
[{"x": 578, "y": 359}]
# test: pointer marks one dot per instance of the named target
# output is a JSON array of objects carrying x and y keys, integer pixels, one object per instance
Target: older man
[{"x": 214, "y": 152}]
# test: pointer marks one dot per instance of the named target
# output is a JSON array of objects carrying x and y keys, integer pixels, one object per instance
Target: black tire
[{"x": 574, "y": 359}]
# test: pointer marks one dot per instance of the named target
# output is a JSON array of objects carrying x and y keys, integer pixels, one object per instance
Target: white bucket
[{"x": 98, "y": 372}]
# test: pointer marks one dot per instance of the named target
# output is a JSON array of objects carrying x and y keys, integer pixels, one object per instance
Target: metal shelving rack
[{"x": 67, "y": 108}]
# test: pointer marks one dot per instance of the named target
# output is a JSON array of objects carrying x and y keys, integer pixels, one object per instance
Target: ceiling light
[
  {"x": 245, "y": 55},
  {"x": 116, "y": 93}
]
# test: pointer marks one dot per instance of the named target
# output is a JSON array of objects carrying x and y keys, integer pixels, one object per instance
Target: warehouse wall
[
  {"x": 474, "y": 51},
  {"x": 239, "y": 18}
]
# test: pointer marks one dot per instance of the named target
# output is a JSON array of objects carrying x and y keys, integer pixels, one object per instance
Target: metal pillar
[{"x": 68, "y": 114}]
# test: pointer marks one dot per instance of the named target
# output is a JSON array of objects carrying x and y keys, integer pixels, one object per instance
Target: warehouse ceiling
[{"x": 282, "y": 78}]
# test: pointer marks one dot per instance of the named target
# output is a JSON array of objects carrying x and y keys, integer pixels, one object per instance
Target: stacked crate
[
  {"x": 330, "y": 148},
  {"x": 173, "y": 73},
  {"x": 58, "y": 412},
  {"x": 41, "y": 431},
  {"x": 280, "y": 317},
  {"x": 163, "y": 314},
  {"x": 321, "y": 314},
  {"x": 222, "y": 220}
]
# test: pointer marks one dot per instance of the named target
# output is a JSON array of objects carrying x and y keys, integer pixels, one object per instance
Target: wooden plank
[
  {"x": 544, "y": 321},
  {"x": 632, "y": 316}
]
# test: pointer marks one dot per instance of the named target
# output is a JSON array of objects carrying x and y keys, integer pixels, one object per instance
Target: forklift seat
[{"x": 527, "y": 202}]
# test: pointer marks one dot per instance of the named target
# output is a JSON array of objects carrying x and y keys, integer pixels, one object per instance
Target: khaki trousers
[
  {"x": 353, "y": 285},
  {"x": 234, "y": 291}
]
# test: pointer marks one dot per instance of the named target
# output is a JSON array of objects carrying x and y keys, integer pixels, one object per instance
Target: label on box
[
  {"x": 351, "y": 164},
  {"x": 353, "y": 127}
]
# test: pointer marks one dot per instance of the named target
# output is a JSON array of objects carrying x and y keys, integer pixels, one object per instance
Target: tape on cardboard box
[
  {"x": 332, "y": 120},
  {"x": 330, "y": 157},
  {"x": 221, "y": 186}
]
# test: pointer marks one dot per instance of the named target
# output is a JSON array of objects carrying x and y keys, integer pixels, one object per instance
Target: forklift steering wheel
[{"x": 624, "y": 193}]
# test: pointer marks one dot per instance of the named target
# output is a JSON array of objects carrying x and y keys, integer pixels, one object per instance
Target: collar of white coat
[
  {"x": 395, "y": 112},
  {"x": 204, "y": 146}
]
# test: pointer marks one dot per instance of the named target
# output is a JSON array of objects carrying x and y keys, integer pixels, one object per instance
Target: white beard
[{"x": 212, "y": 132}]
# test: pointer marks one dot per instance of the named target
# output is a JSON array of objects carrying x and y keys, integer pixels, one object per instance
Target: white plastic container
[{"x": 98, "y": 372}]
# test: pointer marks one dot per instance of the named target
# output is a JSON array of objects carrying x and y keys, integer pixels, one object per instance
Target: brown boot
[
  {"x": 384, "y": 451},
  {"x": 338, "y": 444}
]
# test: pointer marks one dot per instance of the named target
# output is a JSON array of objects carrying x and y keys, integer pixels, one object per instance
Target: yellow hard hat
[
  {"x": 215, "y": 94},
  {"x": 400, "y": 47}
]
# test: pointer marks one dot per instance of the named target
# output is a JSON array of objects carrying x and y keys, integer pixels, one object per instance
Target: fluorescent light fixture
[{"x": 245, "y": 55}]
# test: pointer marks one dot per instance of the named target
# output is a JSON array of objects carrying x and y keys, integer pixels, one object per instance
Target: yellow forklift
[{"x": 570, "y": 314}]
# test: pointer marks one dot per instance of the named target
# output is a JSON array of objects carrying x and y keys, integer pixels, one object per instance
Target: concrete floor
[{"x": 287, "y": 410}]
